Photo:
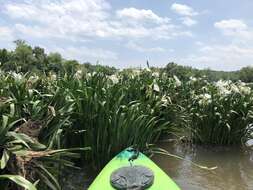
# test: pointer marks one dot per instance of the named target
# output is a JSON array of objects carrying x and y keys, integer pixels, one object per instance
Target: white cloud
[
  {"x": 188, "y": 21},
  {"x": 234, "y": 51},
  {"x": 6, "y": 33},
  {"x": 141, "y": 15},
  {"x": 238, "y": 52},
  {"x": 184, "y": 10},
  {"x": 137, "y": 47},
  {"x": 199, "y": 43},
  {"x": 83, "y": 53},
  {"x": 220, "y": 57},
  {"x": 62, "y": 18},
  {"x": 82, "y": 19},
  {"x": 7, "y": 36},
  {"x": 235, "y": 28},
  {"x": 231, "y": 24},
  {"x": 35, "y": 31},
  {"x": 57, "y": 10}
]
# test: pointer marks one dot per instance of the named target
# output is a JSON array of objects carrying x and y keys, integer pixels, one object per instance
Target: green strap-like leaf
[
  {"x": 53, "y": 181},
  {"x": 5, "y": 159},
  {"x": 5, "y": 121},
  {"x": 12, "y": 109},
  {"x": 20, "y": 181}
]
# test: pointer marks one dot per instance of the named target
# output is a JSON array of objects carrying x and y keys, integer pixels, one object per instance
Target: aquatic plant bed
[{"x": 54, "y": 121}]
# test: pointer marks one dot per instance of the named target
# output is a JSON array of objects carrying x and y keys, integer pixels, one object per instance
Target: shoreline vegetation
[{"x": 57, "y": 113}]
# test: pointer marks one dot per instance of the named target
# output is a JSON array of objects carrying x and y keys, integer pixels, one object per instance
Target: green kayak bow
[{"x": 131, "y": 170}]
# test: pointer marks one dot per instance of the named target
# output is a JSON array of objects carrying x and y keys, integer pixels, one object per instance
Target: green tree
[
  {"x": 41, "y": 61},
  {"x": 4, "y": 56},
  {"x": 55, "y": 62},
  {"x": 246, "y": 74},
  {"x": 23, "y": 57},
  {"x": 70, "y": 66}
]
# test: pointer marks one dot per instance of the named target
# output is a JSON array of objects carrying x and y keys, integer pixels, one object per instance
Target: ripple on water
[{"x": 234, "y": 172}]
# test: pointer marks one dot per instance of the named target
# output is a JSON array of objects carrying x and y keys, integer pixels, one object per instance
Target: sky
[{"x": 215, "y": 34}]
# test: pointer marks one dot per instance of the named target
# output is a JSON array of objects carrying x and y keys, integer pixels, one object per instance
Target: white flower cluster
[
  {"x": 177, "y": 81},
  {"x": 223, "y": 87},
  {"x": 193, "y": 79},
  {"x": 205, "y": 99},
  {"x": 156, "y": 87},
  {"x": 136, "y": 72},
  {"x": 166, "y": 99},
  {"x": 155, "y": 74},
  {"x": 114, "y": 79},
  {"x": 228, "y": 87},
  {"x": 78, "y": 74},
  {"x": 16, "y": 76},
  {"x": 244, "y": 89}
]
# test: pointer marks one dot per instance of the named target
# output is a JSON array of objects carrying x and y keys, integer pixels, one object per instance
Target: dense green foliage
[
  {"x": 51, "y": 107},
  {"x": 25, "y": 58},
  {"x": 26, "y": 110},
  {"x": 219, "y": 112},
  {"x": 185, "y": 72},
  {"x": 56, "y": 114}
]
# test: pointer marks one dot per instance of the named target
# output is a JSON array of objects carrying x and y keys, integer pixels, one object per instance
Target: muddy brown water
[
  {"x": 234, "y": 167},
  {"x": 234, "y": 172}
]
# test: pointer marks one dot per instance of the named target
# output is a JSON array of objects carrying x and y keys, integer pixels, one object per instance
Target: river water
[{"x": 234, "y": 167}]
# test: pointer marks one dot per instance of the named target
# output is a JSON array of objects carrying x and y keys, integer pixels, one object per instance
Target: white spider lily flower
[
  {"x": 147, "y": 69},
  {"x": 224, "y": 91},
  {"x": 114, "y": 79},
  {"x": 221, "y": 83},
  {"x": 16, "y": 76},
  {"x": 205, "y": 99},
  {"x": 155, "y": 74},
  {"x": 136, "y": 71},
  {"x": 249, "y": 143},
  {"x": 242, "y": 83},
  {"x": 223, "y": 87},
  {"x": 177, "y": 81},
  {"x": 166, "y": 100},
  {"x": 234, "y": 88},
  {"x": 52, "y": 76},
  {"x": 156, "y": 87},
  {"x": 193, "y": 79},
  {"x": 78, "y": 74},
  {"x": 207, "y": 96},
  {"x": 245, "y": 90}
]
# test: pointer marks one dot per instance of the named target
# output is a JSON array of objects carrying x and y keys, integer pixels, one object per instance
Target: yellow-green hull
[{"x": 161, "y": 180}]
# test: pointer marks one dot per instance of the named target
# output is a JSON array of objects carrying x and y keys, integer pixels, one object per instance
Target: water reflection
[{"x": 234, "y": 172}]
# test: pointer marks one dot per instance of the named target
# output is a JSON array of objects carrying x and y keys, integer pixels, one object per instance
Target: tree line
[
  {"x": 245, "y": 74},
  {"x": 25, "y": 58}
]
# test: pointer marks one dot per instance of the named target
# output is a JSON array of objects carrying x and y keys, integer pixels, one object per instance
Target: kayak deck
[{"x": 161, "y": 180}]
